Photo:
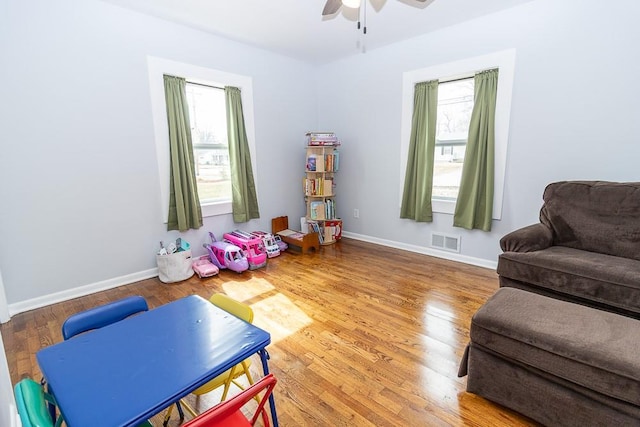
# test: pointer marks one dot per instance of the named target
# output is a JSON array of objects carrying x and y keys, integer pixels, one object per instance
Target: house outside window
[
  {"x": 455, "y": 103},
  {"x": 208, "y": 116}
]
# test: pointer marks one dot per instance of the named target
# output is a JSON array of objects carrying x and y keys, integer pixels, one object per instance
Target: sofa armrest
[{"x": 527, "y": 239}]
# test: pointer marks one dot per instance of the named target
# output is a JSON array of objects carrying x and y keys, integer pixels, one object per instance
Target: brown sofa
[{"x": 586, "y": 248}]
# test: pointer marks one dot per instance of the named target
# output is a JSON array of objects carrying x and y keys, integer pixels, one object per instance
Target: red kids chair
[{"x": 229, "y": 413}]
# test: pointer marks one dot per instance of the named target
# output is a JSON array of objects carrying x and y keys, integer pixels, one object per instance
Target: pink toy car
[{"x": 204, "y": 268}]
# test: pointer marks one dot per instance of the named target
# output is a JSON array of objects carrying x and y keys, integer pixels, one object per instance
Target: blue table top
[{"x": 124, "y": 373}]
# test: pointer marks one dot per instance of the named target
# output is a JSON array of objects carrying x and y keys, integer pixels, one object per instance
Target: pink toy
[
  {"x": 281, "y": 245},
  {"x": 251, "y": 245},
  {"x": 204, "y": 268},
  {"x": 270, "y": 245},
  {"x": 226, "y": 255}
]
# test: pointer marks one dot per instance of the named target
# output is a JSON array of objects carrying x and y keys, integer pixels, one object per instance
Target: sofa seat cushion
[
  {"x": 609, "y": 280},
  {"x": 591, "y": 348}
]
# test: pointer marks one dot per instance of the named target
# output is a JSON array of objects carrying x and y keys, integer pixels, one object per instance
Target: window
[
  {"x": 206, "y": 149},
  {"x": 455, "y": 103},
  {"x": 208, "y": 116},
  {"x": 505, "y": 62}
]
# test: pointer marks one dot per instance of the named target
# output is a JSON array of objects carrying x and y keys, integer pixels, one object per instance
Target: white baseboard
[
  {"x": 81, "y": 291},
  {"x": 68, "y": 294},
  {"x": 424, "y": 250},
  {"x": 15, "y": 417}
]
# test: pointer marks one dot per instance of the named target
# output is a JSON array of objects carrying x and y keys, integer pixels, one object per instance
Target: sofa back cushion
[{"x": 595, "y": 216}]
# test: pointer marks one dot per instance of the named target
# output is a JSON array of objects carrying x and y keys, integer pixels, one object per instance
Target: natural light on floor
[
  {"x": 278, "y": 315},
  {"x": 248, "y": 289},
  {"x": 274, "y": 313}
]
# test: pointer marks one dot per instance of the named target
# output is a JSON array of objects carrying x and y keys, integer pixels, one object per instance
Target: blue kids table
[{"x": 124, "y": 373}]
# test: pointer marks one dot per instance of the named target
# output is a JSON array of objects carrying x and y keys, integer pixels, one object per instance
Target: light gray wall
[
  {"x": 79, "y": 192},
  {"x": 574, "y": 112}
]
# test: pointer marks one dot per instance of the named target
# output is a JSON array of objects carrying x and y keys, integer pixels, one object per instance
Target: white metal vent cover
[{"x": 446, "y": 242}]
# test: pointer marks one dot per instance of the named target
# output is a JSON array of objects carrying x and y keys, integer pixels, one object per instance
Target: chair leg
[
  {"x": 227, "y": 383},
  {"x": 189, "y": 409},
  {"x": 231, "y": 380},
  {"x": 247, "y": 373},
  {"x": 167, "y": 416},
  {"x": 180, "y": 411}
]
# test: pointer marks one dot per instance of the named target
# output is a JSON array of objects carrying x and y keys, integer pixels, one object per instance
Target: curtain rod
[
  {"x": 205, "y": 85},
  {"x": 456, "y": 80}
]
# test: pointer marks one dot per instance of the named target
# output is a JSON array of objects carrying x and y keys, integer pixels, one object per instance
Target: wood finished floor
[{"x": 362, "y": 335}]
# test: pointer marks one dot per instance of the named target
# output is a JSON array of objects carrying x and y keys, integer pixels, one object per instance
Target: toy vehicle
[
  {"x": 282, "y": 245},
  {"x": 270, "y": 245},
  {"x": 251, "y": 246},
  {"x": 226, "y": 255},
  {"x": 204, "y": 267}
]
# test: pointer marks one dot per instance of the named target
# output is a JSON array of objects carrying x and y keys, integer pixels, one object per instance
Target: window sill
[
  {"x": 443, "y": 206},
  {"x": 215, "y": 209}
]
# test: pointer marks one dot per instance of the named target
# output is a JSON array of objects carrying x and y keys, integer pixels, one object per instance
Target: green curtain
[
  {"x": 184, "y": 205},
  {"x": 244, "y": 201},
  {"x": 418, "y": 180},
  {"x": 474, "y": 207}
]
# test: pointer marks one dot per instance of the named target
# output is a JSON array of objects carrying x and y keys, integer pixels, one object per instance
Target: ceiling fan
[{"x": 333, "y": 6}]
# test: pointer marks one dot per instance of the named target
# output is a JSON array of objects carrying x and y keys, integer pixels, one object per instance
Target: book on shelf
[
  {"x": 320, "y": 134},
  {"x": 327, "y": 187},
  {"x": 331, "y": 161},
  {"x": 314, "y": 227},
  {"x": 317, "y": 210},
  {"x": 321, "y": 138},
  {"x": 329, "y": 209},
  {"x": 318, "y": 187},
  {"x": 311, "y": 163}
]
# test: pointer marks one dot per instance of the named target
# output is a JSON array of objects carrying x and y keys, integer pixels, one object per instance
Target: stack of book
[
  {"x": 318, "y": 187},
  {"x": 329, "y": 209},
  {"x": 331, "y": 161},
  {"x": 322, "y": 138}
]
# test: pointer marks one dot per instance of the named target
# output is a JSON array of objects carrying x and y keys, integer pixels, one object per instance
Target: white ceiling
[{"x": 297, "y": 29}]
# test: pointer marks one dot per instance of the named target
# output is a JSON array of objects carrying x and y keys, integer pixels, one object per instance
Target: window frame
[
  {"x": 502, "y": 60},
  {"x": 157, "y": 68}
]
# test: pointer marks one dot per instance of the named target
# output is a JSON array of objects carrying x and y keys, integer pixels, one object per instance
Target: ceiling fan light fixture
[{"x": 353, "y": 4}]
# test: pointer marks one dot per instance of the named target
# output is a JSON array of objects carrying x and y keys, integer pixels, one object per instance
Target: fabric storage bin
[{"x": 174, "y": 267}]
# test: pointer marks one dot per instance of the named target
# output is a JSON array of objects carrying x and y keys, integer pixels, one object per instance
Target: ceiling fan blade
[{"x": 331, "y": 7}]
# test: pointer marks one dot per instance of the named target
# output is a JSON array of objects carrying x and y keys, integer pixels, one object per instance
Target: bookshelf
[{"x": 322, "y": 163}]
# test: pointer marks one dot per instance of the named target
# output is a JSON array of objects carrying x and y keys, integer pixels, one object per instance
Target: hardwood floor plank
[{"x": 362, "y": 335}]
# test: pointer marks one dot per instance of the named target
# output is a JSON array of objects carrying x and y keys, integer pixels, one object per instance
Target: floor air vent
[{"x": 445, "y": 242}]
